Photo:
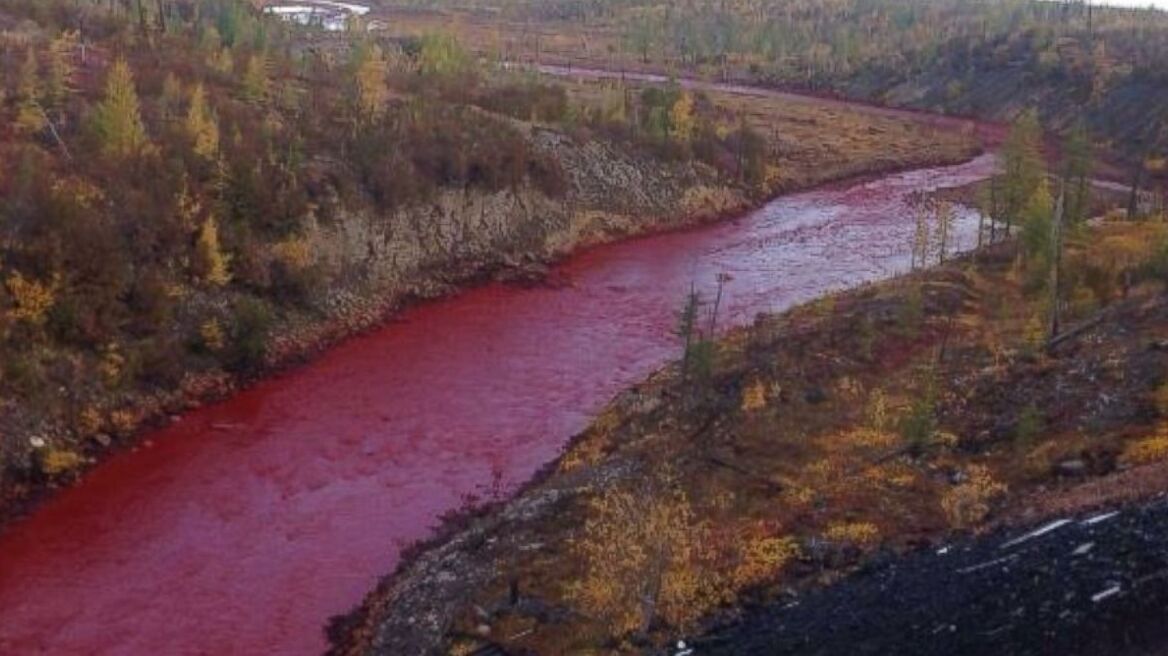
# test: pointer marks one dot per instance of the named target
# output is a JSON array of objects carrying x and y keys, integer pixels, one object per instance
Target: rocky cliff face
[{"x": 465, "y": 235}]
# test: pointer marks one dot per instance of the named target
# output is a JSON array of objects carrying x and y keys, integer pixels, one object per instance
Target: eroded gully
[{"x": 248, "y": 523}]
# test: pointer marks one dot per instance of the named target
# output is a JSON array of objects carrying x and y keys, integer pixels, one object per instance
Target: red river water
[{"x": 248, "y": 523}]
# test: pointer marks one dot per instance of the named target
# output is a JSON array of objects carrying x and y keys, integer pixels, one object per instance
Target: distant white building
[{"x": 324, "y": 14}]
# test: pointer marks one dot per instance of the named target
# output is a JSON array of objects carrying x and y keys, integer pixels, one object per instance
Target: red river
[{"x": 248, "y": 523}]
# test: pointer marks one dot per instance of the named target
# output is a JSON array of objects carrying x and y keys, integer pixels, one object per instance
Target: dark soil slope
[{"x": 1094, "y": 584}]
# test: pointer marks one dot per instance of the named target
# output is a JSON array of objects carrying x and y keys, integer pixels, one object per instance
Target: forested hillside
[
  {"x": 992, "y": 59},
  {"x": 186, "y": 195}
]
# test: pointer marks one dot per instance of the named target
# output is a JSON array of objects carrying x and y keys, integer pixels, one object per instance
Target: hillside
[
  {"x": 839, "y": 434},
  {"x": 1074, "y": 62},
  {"x": 1088, "y": 583}
]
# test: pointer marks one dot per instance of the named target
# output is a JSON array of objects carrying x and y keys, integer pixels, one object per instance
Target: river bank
[{"x": 861, "y": 426}]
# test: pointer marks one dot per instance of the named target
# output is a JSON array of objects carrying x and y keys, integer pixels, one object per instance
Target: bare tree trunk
[
  {"x": 56, "y": 135},
  {"x": 993, "y": 210},
  {"x": 980, "y": 230},
  {"x": 142, "y": 19},
  {"x": 161, "y": 17},
  {"x": 722, "y": 278},
  {"x": 1133, "y": 199}
]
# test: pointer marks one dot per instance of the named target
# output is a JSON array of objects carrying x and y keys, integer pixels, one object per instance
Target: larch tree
[
  {"x": 255, "y": 79},
  {"x": 61, "y": 70},
  {"x": 1023, "y": 166},
  {"x": 29, "y": 114},
  {"x": 371, "y": 93},
  {"x": 920, "y": 237},
  {"x": 211, "y": 263},
  {"x": 681, "y": 118},
  {"x": 1036, "y": 226},
  {"x": 201, "y": 126},
  {"x": 117, "y": 120},
  {"x": 442, "y": 56},
  {"x": 944, "y": 217},
  {"x": 1076, "y": 174},
  {"x": 187, "y": 208}
]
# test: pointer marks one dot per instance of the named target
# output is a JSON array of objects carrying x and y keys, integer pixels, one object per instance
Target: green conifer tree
[{"x": 117, "y": 120}]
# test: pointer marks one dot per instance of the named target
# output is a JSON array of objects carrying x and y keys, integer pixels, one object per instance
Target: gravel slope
[{"x": 1093, "y": 584}]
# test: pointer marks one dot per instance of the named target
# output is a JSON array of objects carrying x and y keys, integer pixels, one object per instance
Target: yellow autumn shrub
[
  {"x": 890, "y": 475},
  {"x": 1160, "y": 398},
  {"x": 587, "y": 451},
  {"x": 123, "y": 421},
  {"x": 798, "y": 495},
  {"x": 212, "y": 336},
  {"x": 31, "y": 300},
  {"x": 463, "y": 647},
  {"x": 113, "y": 364},
  {"x": 867, "y": 439},
  {"x": 1148, "y": 450},
  {"x": 754, "y": 397},
  {"x": 59, "y": 461},
  {"x": 645, "y": 556},
  {"x": 295, "y": 253},
  {"x": 213, "y": 265},
  {"x": 860, "y": 534},
  {"x": 90, "y": 421},
  {"x": 763, "y": 557},
  {"x": 967, "y": 504},
  {"x": 879, "y": 411}
]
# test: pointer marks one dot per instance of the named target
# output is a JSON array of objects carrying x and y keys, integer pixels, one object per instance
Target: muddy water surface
[{"x": 247, "y": 524}]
